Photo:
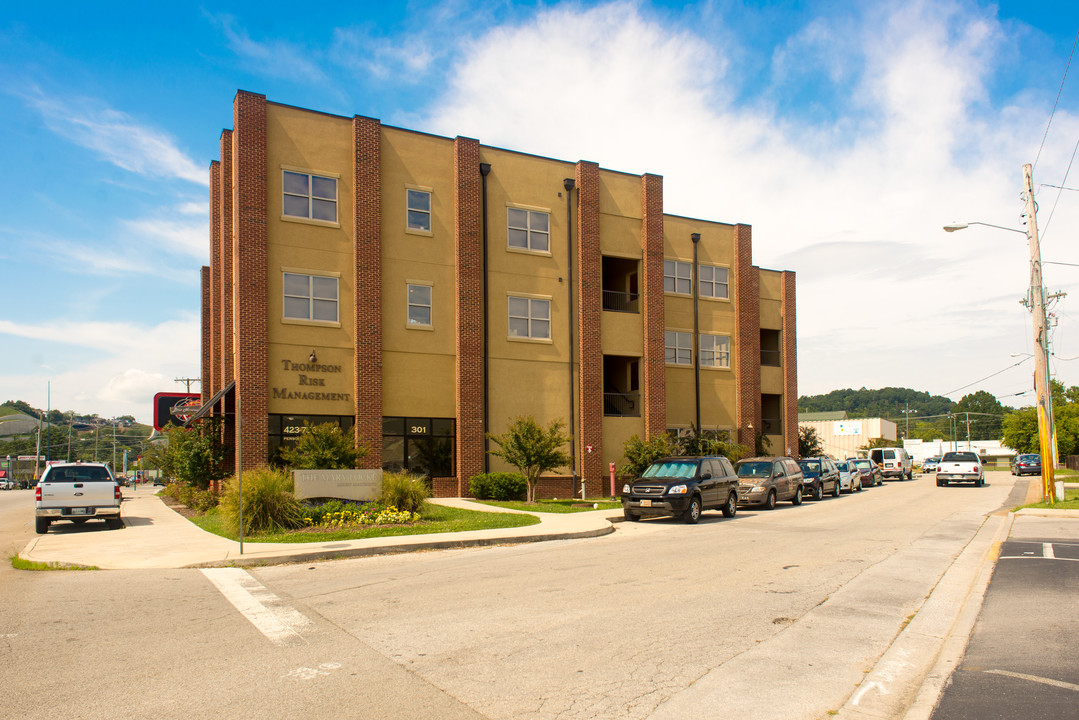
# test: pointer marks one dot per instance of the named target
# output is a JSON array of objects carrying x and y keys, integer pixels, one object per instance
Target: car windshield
[
  {"x": 959, "y": 457},
  {"x": 809, "y": 466},
  {"x": 755, "y": 469},
  {"x": 671, "y": 469},
  {"x": 861, "y": 463},
  {"x": 90, "y": 473},
  {"x": 842, "y": 466},
  {"x": 1029, "y": 458}
]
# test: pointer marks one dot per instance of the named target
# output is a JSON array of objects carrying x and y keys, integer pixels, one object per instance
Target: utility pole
[
  {"x": 187, "y": 382},
  {"x": 1044, "y": 402}
]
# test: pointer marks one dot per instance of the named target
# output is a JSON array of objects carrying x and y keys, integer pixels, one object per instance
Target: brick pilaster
[
  {"x": 249, "y": 283},
  {"x": 652, "y": 315},
  {"x": 211, "y": 376},
  {"x": 226, "y": 271},
  {"x": 589, "y": 318},
  {"x": 367, "y": 209},
  {"x": 790, "y": 362},
  {"x": 206, "y": 321},
  {"x": 748, "y": 351},
  {"x": 468, "y": 243}
]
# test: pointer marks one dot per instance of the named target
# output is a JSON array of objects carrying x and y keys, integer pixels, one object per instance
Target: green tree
[
  {"x": 986, "y": 415},
  {"x": 194, "y": 455},
  {"x": 531, "y": 449},
  {"x": 808, "y": 442},
  {"x": 1020, "y": 427},
  {"x": 324, "y": 447}
]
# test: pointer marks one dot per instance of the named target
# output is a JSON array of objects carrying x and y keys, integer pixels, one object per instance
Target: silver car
[{"x": 850, "y": 477}]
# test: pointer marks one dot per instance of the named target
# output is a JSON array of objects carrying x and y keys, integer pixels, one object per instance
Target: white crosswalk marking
[{"x": 277, "y": 621}]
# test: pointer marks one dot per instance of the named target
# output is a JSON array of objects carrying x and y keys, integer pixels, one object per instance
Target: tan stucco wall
[{"x": 316, "y": 248}]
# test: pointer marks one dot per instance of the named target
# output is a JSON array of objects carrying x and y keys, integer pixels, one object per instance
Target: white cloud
[
  {"x": 853, "y": 203},
  {"x": 275, "y": 58},
  {"x": 116, "y": 137}
]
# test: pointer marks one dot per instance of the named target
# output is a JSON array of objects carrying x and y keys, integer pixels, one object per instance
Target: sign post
[{"x": 612, "y": 481}]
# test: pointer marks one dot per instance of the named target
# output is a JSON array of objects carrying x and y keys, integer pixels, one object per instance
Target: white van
[{"x": 894, "y": 462}]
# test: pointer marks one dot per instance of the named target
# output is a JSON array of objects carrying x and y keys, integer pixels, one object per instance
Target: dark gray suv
[{"x": 682, "y": 487}]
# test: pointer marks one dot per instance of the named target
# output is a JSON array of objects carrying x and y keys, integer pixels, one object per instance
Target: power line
[
  {"x": 985, "y": 378},
  {"x": 1057, "y": 101}
]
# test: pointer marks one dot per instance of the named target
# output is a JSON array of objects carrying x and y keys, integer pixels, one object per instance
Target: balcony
[
  {"x": 626, "y": 302},
  {"x": 621, "y": 404}
]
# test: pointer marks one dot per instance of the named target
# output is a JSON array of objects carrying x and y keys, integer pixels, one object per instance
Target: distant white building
[
  {"x": 988, "y": 450},
  {"x": 842, "y": 437}
]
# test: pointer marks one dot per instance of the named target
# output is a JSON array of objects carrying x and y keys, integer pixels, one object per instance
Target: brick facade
[
  {"x": 205, "y": 320},
  {"x": 589, "y": 318},
  {"x": 747, "y": 305},
  {"x": 652, "y": 308},
  {"x": 249, "y": 296},
  {"x": 367, "y": 212},
  {"x": 468, "y": 244},
  {"x": 225, "y": 287},
  {"x": 211, "y": 376}
]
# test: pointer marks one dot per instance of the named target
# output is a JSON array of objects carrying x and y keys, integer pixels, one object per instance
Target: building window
[
  {"x": 529, "y": 318},
  {"x": 419, "y": 305},
  {"x": 715, "y": 351},
  {"x": 310, "y": 297},
  {"x": 713, "y": 281},
  {"x": 678, "y": 348},
  {"x": 676, "y": 277},
  {"x": 309, "y": 196},
  {"x": 419, "y": 210},
  {"x": 529, "y": 229}
]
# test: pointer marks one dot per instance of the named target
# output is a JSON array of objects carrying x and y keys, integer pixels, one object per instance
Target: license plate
[
  {"x": 646, "y": 503},
  {"x": 78, "y": 511}
]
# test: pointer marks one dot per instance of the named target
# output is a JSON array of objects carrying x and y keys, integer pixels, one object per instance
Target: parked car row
[{"x": 684, "y": 487}]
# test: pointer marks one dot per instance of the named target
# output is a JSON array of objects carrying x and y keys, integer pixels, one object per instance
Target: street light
[{"x": 1044, "y": 403}]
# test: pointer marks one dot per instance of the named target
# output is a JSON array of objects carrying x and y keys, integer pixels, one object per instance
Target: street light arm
[{"x": 952, "y": 227}]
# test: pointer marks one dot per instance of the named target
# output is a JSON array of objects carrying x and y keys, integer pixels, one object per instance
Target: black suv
[
  {"x": 682, "y": 487},
  {"x": 820, "y": 475}
]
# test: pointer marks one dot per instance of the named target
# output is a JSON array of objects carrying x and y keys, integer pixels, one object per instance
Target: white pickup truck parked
[
  {"x": 960, "y": 467},
  {"x": 77, "y": 492}
]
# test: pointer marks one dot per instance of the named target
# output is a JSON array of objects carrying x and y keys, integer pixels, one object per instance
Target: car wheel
[
  {"x": 731, "y": 508},
  {"x": 114, "y": 523},
  {"x": 41, "y": 525},
  {"x": 835, "y": 489},
  {"x": 942, "y": 483},
  {"x": 797, "y": 499},
  {"x": 632, "y": 517},
  {"x": 859, "y": 488},
  {"x": 693, "y": 512},
  {"x": 817, "y": 493},
  {"x": 770, "y": 501}
]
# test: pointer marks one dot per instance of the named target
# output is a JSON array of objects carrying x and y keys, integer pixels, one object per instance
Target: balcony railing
[
  {"x": 772, "y": 426},
  {"x": 771, "y": 358},
  {"x": 622, "y": 404},
  {"x": 621, "y": 301}
]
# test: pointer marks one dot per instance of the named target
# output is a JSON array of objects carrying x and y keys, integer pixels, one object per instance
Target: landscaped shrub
[
  {"x": 498, "y": 486},
  {"x": 337, "y": 514},
  {"x": 268, "y": 503},
  {"x": 404, "y": 492}
]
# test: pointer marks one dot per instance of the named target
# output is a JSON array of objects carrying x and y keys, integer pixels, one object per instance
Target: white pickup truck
[
  {"x": 960, "y": 467},
  {"x": 77, "y": 492}
]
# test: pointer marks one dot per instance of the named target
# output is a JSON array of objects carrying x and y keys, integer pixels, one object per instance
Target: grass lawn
[
  {"x": 555, "y": 506},
  {"x": 435, "y": 519},
  {"x": 1070, "y": 502}
]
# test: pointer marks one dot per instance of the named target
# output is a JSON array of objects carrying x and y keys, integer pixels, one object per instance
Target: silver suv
[{"x": 767, "y": 480}]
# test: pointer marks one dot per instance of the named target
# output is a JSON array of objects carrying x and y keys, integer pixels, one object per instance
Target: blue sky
[{"x": 845, "y": 133}]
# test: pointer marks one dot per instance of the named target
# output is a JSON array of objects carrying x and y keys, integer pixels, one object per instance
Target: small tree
[
  {"x": 324, "y": 447},
  {"x": 531, "y": 449},
  {"x": 808, "y": 442},
  {"x": 193, "y": 455},
  {"x": 639, "y": 454}
]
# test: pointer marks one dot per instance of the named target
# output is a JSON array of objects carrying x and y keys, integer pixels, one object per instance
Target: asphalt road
[
  {"x": 1021, "y": 658},
  {"x": 770, "y": 615}
]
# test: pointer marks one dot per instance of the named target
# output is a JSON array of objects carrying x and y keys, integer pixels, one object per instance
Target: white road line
[
  {"x": 277, "y": 621},
  {"x": 1047, "y": 550},
  {"x": 1035, "y": 678}
]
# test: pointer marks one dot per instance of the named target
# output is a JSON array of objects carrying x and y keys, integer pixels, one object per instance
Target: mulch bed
[{"x": 179, "y": 507}]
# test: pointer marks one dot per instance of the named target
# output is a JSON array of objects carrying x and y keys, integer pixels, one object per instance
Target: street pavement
[{"x": 914, "y": 674}]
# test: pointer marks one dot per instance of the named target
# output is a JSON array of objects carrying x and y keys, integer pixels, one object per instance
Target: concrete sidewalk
[{"x": 155, "y": 536}]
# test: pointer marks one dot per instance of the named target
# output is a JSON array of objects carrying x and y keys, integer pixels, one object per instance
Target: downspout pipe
[
  {"x": 696, "y": 237},
  {"x": 485, "y": 170},
  {"x": 569, "y": 184}
]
